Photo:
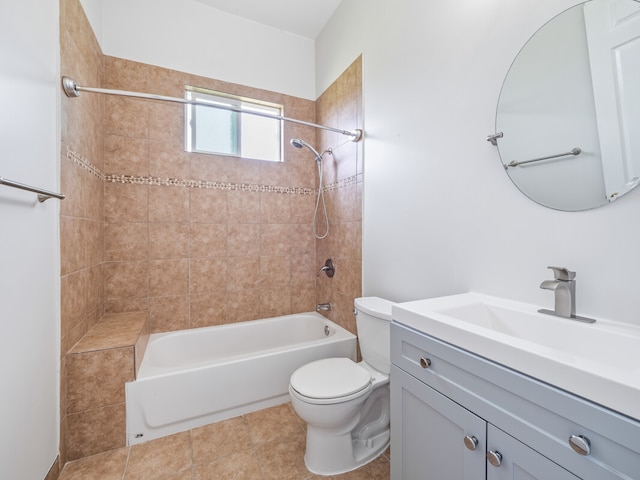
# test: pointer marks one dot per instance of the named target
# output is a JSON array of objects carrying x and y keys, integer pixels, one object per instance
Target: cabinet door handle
[
  {"x": 425, "y": 362},
  {"x": 580, "y": 444},
  {"x": 495, "y": 458},
  {"x": 471, "y": 442}
]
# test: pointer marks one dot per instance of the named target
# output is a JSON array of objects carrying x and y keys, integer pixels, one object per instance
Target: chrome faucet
[
  {"x": 324, "y": 307},
  {"x": 564, "y": 287}
]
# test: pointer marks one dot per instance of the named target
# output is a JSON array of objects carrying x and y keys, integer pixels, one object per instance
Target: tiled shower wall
[
  {"x": 82, "y": 211},
  {"x": 201, "y": 239},
  {"x": 194, "y": 239},
  {"x": 340, "y": 106}
]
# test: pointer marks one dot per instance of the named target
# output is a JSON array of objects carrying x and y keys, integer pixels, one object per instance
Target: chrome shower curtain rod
[{"x": 72, "y": 89}]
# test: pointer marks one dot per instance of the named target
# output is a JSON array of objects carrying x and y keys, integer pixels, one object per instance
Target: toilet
[{"x": 346, "y": 404}]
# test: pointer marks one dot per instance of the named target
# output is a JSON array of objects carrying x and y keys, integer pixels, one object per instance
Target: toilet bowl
[{"x": 346, "y": 404}]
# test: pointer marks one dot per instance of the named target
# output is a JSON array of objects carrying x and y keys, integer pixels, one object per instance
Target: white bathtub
[{"x": 194, "y": 377}]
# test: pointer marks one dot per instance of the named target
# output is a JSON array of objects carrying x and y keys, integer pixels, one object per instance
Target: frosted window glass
[{"x": 225, "y": 132}]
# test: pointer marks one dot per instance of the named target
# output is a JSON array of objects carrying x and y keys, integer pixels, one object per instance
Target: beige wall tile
[
  {"x": 126, "y": 117},
  {"x": 126, "y": 202},
  {"x": 243, "y": 239},
  {"x": 212, "y": 168},
  {"x": 168, "y": 204},
  {"x": 95, "y": 431},
  {"x": 275, "y": 239},
  {"x": 72, "y": 245},
  {"x": 304, "y": 268},
  {"x": 126, "y": 241},
  {"x": 274, "y": 302},
  {"x": 302, "y": 208},
  {"x": 207, "y": 275},
  {"x": 208, "y": 240},
  {"x": 303, "y": 297},
  {"x": 276, "y": 270},
  {"x": 126, "y": 280},
  {"x": 73, "y": 292},
  {"x": 126, "y": 155},
  {"x": 207, "y": 205},
  {"x": 122, "y": 305},
  {"x": 168, "y": 162},
  {"x": 168, "y": 240},
  {"x": 275, "y": 208},
  {"x": 169, "y": 313},
  {"x": 96, "y": 379},
  {"x": 72, "y": 178},
  {"x": 243, "y": 305},
  {"x": 243, "y": 207},
  {"x": 243, "y": 273},
  {"x": 207, "y": 309},
  {"x": 168, "y": 277},
  {"x": 95, "y": 290},
  {"x": 275, "y": 173},
  {"x": 166, "y": 123}
]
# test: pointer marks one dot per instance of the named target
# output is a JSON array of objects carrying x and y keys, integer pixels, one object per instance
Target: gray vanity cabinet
[
  {"x": 428, "y": 429},
  {"x": 458, "y": 416},
  {"x": 518, "y": 461}
]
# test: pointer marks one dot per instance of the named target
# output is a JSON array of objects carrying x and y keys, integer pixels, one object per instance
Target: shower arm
[{"x": 72, "y": 89}]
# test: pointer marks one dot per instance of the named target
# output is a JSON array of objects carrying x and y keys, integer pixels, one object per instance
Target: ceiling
[{"x": 302, "y": 17}]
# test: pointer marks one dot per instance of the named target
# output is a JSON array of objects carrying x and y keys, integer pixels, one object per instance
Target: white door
[{"x": 613, "y": 36}]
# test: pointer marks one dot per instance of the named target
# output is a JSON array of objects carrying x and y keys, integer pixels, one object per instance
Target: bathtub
[{"x": 194, "y": 377}]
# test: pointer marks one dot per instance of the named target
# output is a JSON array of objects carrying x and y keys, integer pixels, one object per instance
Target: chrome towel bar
[
  {"x": 575, "y": 151},
  {"x": 42, "y": 194}
]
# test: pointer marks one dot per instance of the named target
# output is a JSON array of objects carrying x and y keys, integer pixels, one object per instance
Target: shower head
[{"x": 299, "y": 143}]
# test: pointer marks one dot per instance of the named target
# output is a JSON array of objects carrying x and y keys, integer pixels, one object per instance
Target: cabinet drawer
[{"x": 542, "y": 416}]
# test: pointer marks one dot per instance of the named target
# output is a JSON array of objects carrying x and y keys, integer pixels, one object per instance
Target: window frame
[{"x": 234, "y": 101}]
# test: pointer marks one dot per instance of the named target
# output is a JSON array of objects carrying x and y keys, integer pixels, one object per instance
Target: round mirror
[{"x": 569, "y": 108}]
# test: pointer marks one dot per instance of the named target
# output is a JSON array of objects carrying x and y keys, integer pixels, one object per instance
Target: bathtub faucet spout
[{"x": 324, "y": 307}]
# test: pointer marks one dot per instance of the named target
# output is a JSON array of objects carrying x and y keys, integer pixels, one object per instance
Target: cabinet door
[
  {"x": 518, "y": 461},
  {"x": 428, "y": 433}
]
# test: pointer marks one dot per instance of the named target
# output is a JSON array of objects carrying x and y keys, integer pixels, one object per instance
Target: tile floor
[{"x": 264, "y": 445}]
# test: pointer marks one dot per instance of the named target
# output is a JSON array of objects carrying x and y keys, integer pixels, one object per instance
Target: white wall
[
  {"x": 188, "y": 36},
  {"x": 29, "y": 245},
  {"x": 339, "y": 43},
  {"x": 440, "y": 215},
  {"x": 93, "y": 11}
]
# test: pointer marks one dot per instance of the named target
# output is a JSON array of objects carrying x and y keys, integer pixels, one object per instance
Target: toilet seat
[{"x": 330, "y": 380}]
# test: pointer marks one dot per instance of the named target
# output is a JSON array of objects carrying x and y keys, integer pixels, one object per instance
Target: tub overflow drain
[{"x": 327, "y": 330}]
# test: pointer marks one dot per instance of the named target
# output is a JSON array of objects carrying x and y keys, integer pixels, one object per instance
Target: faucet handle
[{"x": 562, "y": 273}]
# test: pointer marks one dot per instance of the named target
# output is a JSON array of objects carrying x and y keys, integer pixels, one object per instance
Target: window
[{"x": 224, "y": 132}]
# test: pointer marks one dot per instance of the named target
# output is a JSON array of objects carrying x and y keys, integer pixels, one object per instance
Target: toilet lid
[{"x": 330, "y": 378}]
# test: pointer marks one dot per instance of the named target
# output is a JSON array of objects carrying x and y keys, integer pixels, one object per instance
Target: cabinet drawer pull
[
  {"x": 425, "y": 362},
  {"x": 471, "y": 442},
  {"x": 580, "y": 444},
  {"x": 495, "y": 458}
]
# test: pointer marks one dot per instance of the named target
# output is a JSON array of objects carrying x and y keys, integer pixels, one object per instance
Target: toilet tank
[{"x": 373, "y": 321}]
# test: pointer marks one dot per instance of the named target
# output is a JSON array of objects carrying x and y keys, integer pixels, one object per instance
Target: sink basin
[{"x": 597, "y": 361}]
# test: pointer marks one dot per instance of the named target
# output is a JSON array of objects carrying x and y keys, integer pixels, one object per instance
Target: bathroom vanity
[{"x": 460, "y": 410}]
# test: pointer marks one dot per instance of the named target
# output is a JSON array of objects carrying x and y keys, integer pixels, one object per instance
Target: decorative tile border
[
  {"x": 176, "y": 182},
  {"x": 345, "y": 182},
  {"x": 81, "y": 161}
]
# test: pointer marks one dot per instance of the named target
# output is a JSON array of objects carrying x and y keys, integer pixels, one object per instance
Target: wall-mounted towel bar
[
  {"x": 575, "y": 151},
  {"x": 42, "y": 194}
]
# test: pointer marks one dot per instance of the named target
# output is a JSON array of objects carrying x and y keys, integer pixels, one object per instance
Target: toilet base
[{"x": 331, "y": 455}]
